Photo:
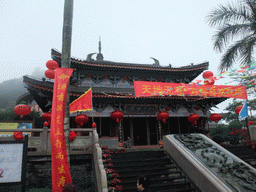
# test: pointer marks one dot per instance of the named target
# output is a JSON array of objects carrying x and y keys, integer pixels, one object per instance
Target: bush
[{"x": 218, "y": 139}]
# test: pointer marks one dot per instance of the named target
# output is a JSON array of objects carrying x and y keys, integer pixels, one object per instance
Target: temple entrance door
[
  {"x": 140, "y": 134},
  {"x": 153, "y": 130}
]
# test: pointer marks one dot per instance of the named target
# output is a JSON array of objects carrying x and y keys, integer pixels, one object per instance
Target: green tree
[
  {"x": 236, "y": 34},
  {"x": 231, "y": 114}
]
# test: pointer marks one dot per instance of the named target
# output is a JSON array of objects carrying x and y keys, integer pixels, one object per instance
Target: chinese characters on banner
[
  {"x": 148, "y": 89},
  {"x": 60, "y": 167}
]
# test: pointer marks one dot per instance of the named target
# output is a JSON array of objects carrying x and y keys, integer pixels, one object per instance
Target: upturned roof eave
[{"x": 56, "y": 55}]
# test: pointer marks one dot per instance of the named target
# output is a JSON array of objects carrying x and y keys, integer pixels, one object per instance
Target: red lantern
[
  {"x": 251, "y": 122},
  {"x": 51, "y": 64},
  {"x": 207, "y": 74},
  {"x": 46, "y": 124},
  {"x": 94, "y": 125},
  {"x": 50, "y": 73},
  {"x": 81, "y": 119},
  {"x": 215, "y": 117},
  {"x": 22, "y": 110},
  {"x": 193, "y": 118},
  {"x": 238, "y": 109},
  {"x": 162, "y": 116},
  {"x": 47, "y": 116},
  {"x": 117, "y": 115},
  {"x": 209, "y": 81}
]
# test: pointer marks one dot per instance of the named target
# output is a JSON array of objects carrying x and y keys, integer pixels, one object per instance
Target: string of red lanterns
[{"x": 51, "y": 65}]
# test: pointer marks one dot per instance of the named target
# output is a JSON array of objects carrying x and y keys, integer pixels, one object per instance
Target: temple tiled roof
[
  {"x": 79, "y": 63},
  {"x": 40, "y": 89}
]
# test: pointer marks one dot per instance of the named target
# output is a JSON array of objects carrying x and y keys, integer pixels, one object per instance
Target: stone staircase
[{"x": 162, "y": 171}]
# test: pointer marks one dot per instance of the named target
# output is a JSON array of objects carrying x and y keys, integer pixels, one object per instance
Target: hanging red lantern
[
  {"x": 209, "y": 81},
  {"x": 193, "y": 118},
  {"x": 51, "y": 64},
  {"x": 94, "y": 125},
  {"x": 81, "y": 119},
  {"x": 50, "y": 73},
  {"x": 22, "y": 110},
  {"x": 47, "y": 116},
  {"x": 238, "y": 109},
  {"x": 46, "y": 124},
  {"x": 251, "y": 122},
  {"x": 117, "y": 115},
  {"x": 207, "y": 74},
  {"x": 215, "y": 117},
  {"x": 162, "y": 116}
]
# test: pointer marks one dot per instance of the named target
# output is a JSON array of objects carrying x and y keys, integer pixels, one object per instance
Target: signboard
[
  {"x": 149, "y": 89},
  {"x": 13, "y": 163},
  {"x": 15, "y": 126}
]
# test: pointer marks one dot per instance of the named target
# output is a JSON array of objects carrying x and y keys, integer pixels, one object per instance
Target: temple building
[{"x": 112, "y": 86}]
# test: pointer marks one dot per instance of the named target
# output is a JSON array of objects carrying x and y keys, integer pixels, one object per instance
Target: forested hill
[{"x": 10, "y": 91}]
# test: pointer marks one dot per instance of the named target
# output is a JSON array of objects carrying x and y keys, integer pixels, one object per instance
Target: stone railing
[
  {"x": 101, "y": 176},
  {"x": 211, "y": 167},
  {"x": 41, "y": 145}
]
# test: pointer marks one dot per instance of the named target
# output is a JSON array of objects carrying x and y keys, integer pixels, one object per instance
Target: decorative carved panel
[{"x": 140, "y": 109}]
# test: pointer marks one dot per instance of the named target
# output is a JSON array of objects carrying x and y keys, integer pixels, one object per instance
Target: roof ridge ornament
[
  {"x": 89, "y": 56},
  {"x": 156, "y": 62},
  {"x": 99, "y": 55}
]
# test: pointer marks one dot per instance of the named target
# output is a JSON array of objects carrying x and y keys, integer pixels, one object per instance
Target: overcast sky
[{"x": 173, "y": 31}]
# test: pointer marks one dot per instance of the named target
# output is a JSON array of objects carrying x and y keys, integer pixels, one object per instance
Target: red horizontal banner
[{"x": 148, "y": 89}]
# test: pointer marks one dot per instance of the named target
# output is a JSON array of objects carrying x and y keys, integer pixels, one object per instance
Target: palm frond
[
  {"x": 241, "y": 49},
  {"x": 227, "y": 33},
  {"x": 229, "y": 14}
]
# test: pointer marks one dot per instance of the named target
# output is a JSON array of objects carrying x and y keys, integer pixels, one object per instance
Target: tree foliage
[{"x": 236, "y": 33}]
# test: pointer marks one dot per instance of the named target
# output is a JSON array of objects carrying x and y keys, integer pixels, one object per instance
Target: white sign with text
[{"x": 11, "y": 162}]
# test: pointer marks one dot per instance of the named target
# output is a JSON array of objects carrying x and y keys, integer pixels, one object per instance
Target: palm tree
[{"x": 236, "y": 34}]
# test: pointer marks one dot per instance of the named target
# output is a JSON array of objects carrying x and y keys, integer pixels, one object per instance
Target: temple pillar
[
  {"x": 100, "y": 127},
  {"x": 120, "y": 129},
  {"x": 160, "y": 134},
  {"x": 131, "y": 132},
  {"x": 148, "y": 132}
]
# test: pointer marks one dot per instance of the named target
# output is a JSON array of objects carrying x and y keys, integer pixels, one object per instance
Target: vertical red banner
[{"x": 60, "y": 167}]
